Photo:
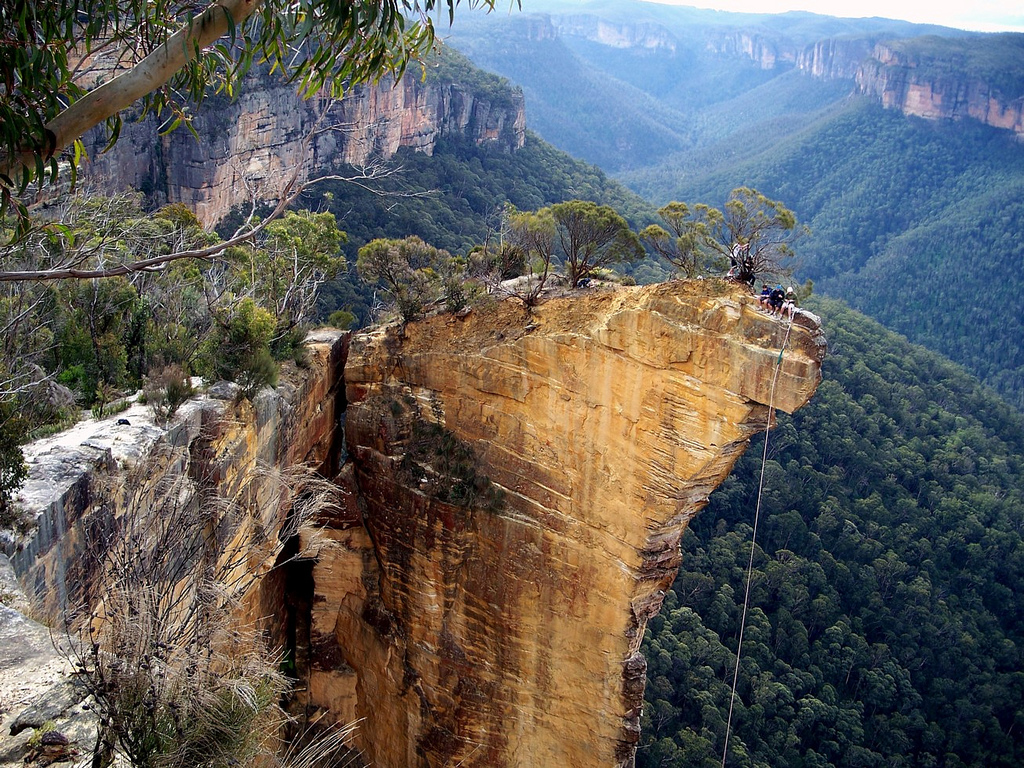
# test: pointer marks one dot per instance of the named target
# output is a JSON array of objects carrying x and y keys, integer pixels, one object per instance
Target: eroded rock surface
[
  {"x": 257, "y": 142},
  {"x": 514, "y": 488},
  {"x": 508, "y": 634}
]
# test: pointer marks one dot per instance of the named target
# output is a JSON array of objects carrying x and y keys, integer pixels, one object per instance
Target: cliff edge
[
  {"x": 524, "y": 480},
  {"x": 513, "y": 487}
]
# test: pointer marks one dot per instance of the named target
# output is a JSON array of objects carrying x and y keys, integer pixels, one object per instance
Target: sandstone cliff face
[
  {"x": 256, "y": 142},
  {"x": 765, "y": 52},
  {"x": 899, "y": 82},
  {"x": 77, "y": 479},
  {"x": 834, "y": 58},
  {"x": 616, "y": 34},
  {"x": 514, "y": 487},
  {"x": 510, "y": 635}
]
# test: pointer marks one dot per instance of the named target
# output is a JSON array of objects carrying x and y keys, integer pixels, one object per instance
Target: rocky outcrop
[
  {"x": 937, "y": 91},
  {"x": 616, "y": 34},
  {"x": 834, "y": 58},
  {"x": 252, "y": 145},
  {"x": 514, "y": 487},
  {"x": 77, "y": 479},
  {"x": 508, "y": 632}
]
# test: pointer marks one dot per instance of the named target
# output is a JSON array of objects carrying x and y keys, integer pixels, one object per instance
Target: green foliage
[
  {"x": 455, "y": 200},
  {"x": 314, "y": 46},
  {"x": 631, "y": 107},
  {"x": 92, "y": 324},
  {"x": 573, "y": 104},
  {"x": 165, "y": 390},
  {"x": 680, "y": 247},
  {"x": 241, "y": 347},
  {"x": 408, "y": 270},
  {"x": 13, "y": 470},
  {"x": 914, "y": 223},
  {"x": 591, "y": 236},
  {"x": 449, "y": 468},
  {"x": 96, "y": 340},
  {"x": 293, "y": 257},
  {"x": 447, "y": 65},
  {"x": 528, "y": 248},
  {"x": 996, "y": 60},
  {"x": 341, "y": 319},
  {"x": 885, "y": 624}
]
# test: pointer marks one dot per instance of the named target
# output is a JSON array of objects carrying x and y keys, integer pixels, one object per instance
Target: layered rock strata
[
  {"x": 513, "y": 489},
  {"x": 913, "y": 87},
  {"x": 252, "y": 146},
  {"x": 508, "y": 633}
]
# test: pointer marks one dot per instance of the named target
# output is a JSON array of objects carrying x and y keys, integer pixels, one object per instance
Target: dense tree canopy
[
  {"x": 591, "y": 236},
  {"x": 886, "y": 625},
  {"x": 456, "y": 199},
  {"x": 754, "y": 235},
  {"x": 408, "y": 269}
]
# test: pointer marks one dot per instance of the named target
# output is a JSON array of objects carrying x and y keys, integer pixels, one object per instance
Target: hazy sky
[{"x": 981, "y": 15}]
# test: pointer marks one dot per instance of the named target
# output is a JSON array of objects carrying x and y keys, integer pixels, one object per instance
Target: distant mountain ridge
[
  {"x": 624, "y": 84},
  {"x": 933, "y": 81}
]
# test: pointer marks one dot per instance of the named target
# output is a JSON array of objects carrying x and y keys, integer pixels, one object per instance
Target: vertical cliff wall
[
  {"x": 253, "y": 144},
  {"x": 507, "y": 633},
  {"x": 513, "y": 489},
  {"x": 937, "y": 88}
]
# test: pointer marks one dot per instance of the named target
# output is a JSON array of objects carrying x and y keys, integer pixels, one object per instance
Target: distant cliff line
[
  {"x": 929, "y": 76},
  {"x": 251, "y": 146}
]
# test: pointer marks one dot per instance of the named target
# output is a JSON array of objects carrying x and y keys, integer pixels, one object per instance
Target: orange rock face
[
  {"x": 523, "y": 481},
  {"x": 514, "y": 490}
]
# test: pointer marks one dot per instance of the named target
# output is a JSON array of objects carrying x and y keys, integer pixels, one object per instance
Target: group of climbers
[{"x": 778, "y": 302}]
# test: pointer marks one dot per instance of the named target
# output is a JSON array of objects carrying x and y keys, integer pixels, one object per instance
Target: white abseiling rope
[{"x": 753, "y": 541}]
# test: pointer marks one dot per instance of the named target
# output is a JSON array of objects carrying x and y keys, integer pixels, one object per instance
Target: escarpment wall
[
  {"x": 508, "y": 634},
  {"x": 915, "y": 88},
  {"x": 513, "y": 487},
  {"x": 252, "y": 146}
]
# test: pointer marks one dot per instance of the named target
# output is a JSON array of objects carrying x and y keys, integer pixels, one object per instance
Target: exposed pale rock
[
  {"x": 73, "y": 474},
  {"x": 905, "y": 84}
]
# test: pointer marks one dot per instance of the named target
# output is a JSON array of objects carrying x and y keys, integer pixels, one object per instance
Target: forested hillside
[
  {"x": 625, "y": 107},
  {"x": 886, "y": 626}
]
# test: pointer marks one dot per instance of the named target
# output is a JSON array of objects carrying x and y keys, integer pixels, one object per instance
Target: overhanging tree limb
[{"x": 153, "y": 71}]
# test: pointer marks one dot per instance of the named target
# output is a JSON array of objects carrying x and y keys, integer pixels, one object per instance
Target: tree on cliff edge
[
  {"x": 68, "y": 66},
  {"x": 591, "y": 236},
  {"x": 754, "y": 233}
]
